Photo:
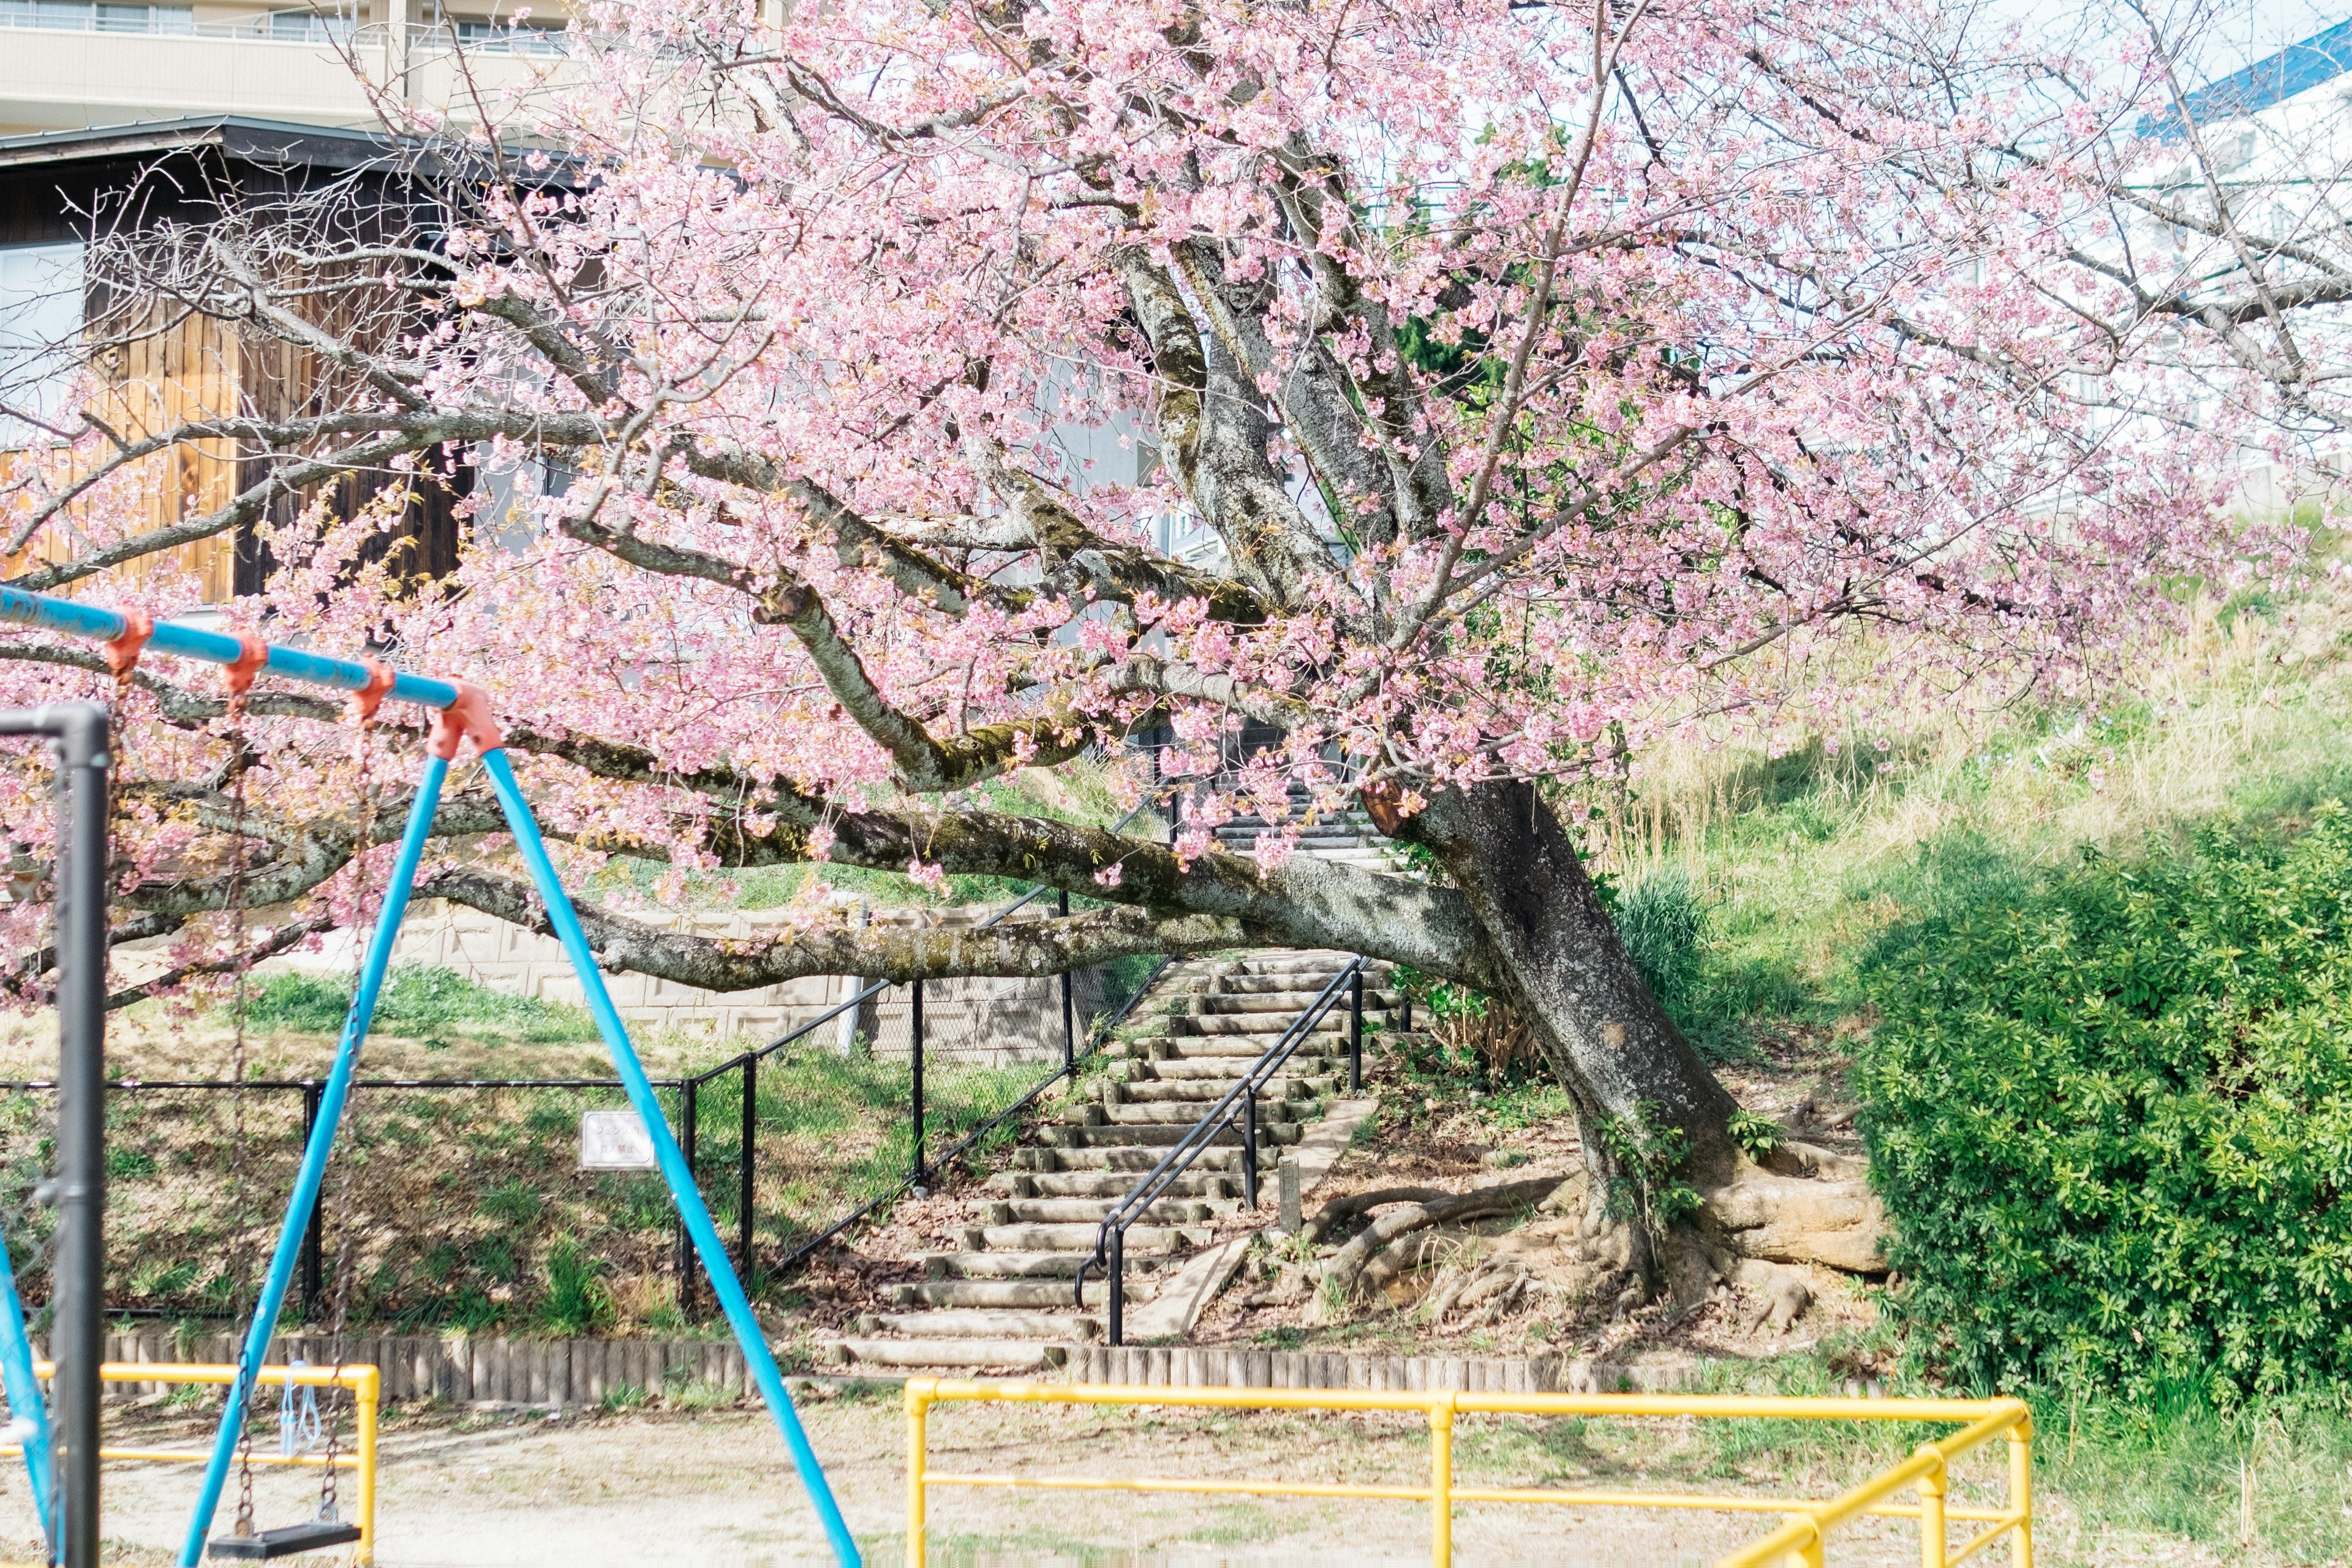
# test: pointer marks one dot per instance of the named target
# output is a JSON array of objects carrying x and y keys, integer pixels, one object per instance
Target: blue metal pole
[
  {"x": 757, "y": 1357},
  {"x": 25, "y": 1401},
  {"x": 315, "y": 1154}
]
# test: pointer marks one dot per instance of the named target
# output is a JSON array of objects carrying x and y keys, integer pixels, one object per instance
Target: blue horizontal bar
[
  {"x": 77, "y": 620},
  {"x": 316, "y": 669},
  {"x": 59, "y": 616},
  {"x": 422, "y": 690},
  {"x": 191, "y": 642}
]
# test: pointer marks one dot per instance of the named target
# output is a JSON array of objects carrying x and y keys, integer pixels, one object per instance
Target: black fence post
[
  {"x": 314, "y": 1234},
  {"x": 915, "y": 1056},
  {"x": 1118, "y": 1334},
  {"x": 686, "y": 1119},
  {"x": 1249, "y": 1144},
  {"x": 743, "y": 1261},
  {"x": 1404, "y": 1011},
  {"x": 1069, "y": 1012},
  {"x": 1356, "y": 1031}
]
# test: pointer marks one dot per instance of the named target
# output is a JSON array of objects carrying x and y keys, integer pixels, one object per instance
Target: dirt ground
[
  {"x": 715, "y": 1490},
  {"x": 1461, "y": 1145}
]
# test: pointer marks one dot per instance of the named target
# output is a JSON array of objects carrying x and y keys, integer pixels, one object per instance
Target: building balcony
[{"x": 68, "y": 66}]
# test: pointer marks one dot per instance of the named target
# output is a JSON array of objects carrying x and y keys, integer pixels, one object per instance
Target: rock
[
  {"x": 1798, "y": 1219},
  {"x": 1790, "y": 1297},
  {"x": 1566, "y": 1199},
  {"x": 1777, "y": 1297}
]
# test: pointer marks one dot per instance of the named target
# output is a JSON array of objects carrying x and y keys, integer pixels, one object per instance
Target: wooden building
[{"x": 156, "y": 364}]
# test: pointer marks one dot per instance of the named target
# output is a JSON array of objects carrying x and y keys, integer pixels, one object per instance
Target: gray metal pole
[
  {"x": 78, "y": 1190},
  {"x": 914, "y": 1027}
]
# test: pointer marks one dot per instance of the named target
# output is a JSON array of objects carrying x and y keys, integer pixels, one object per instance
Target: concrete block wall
[{"x": 986, "y": 1021}]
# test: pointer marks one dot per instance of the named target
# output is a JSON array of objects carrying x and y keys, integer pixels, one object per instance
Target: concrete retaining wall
[{"x": 988, "y": 1021}]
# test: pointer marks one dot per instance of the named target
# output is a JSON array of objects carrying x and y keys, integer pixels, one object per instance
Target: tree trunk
[
  {"x": 1605, "y": 1033},
  {"x": 1621, "y": 1058}
]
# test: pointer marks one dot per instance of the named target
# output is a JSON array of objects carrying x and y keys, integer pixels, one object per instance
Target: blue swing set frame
[{"x": 461, "y": 712}]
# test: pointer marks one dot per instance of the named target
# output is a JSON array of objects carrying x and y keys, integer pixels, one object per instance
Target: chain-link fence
[{"x": 465, "y": 1204}]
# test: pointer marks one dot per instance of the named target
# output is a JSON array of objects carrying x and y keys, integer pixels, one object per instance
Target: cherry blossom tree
[{"x": 1552, "y": 380}]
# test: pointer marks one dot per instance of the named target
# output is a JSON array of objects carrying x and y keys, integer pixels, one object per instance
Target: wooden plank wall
[{"x": 464, "y": 1369}]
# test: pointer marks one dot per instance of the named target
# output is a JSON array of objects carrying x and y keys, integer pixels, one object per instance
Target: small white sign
[{"x": 614, "y": 1140}]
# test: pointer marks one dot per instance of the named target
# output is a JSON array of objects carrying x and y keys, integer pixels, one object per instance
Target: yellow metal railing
[
  {"x": 1799, "y": 1542},
  {"x": 365, "y": 1383}
]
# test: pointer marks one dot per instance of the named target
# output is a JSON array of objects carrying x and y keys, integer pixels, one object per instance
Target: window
[
  {"x": 308, "y": 27},
  {"x": 40, "y": 333},
  {"x": 522, "y": 38},
  {"x": 102, "y": 16}
]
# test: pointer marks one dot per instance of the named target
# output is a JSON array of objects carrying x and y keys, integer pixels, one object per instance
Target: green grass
[
  {"x": 418, "y": 1002},
  {"x": 2271, "y": 1477},
  {"x": 1799, "y": 860}
]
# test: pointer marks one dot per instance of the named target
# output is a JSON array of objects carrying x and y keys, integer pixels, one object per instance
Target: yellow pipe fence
[
  {"x": 1801, "y": 1542},
  {"x": 365, "y": 1383}
]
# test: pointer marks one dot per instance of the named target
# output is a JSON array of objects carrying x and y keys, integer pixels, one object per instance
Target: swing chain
[
  {"x": 363, "y": 704},
  {"x": 245, "y": 1527},
  {"x": 240, "y": 680}
]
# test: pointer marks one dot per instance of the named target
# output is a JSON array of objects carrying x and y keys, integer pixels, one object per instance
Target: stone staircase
[
  {"x": 1349, "y": 837},
  {"x": 998, "y": 1293}
]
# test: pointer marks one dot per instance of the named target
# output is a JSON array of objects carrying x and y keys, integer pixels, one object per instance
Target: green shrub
[{"x": 2112, "y": 1117}]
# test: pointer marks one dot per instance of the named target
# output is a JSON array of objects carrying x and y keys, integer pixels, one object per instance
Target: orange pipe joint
[
  {"x": 252, "y": 658},
  {"x": 369, "y": 697},
  {"x": 122, "y": 652},
  {"x": 468, "y": 718}
]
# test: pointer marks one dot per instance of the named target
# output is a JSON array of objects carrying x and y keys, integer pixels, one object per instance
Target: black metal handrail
[
  {"x": 1071, "y": 1056},
  {"x": 1101, "y": 1031},
  {"x": 1110, "y": 1239}
]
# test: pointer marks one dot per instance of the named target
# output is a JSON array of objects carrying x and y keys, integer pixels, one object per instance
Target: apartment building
[
  {"x": 76, "y": 64},
  {"x": 191, "y": 104}
]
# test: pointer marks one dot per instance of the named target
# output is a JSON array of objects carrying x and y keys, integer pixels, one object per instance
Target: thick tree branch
[{"x": 881, "y": 953}]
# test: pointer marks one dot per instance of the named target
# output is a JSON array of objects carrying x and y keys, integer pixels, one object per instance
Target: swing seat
[{"x": 288, "y": 1541}]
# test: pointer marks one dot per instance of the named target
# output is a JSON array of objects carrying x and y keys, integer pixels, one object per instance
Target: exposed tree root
[
  {"x": 1421, "y": 1207},
  {"x": 1810, "y": 1206}
]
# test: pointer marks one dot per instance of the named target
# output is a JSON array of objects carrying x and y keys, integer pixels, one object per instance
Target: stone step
[
  {"x": 1242, "y": 837},
  {"x": 1200, "y": 1092},
  {"x": 978, "y": 1265},
  {"x": 1183, "y": 1113},
  {"x": 1040, "y": 1294},
  {"x": 1225, "y": 1069},
  {"x": 1275, "y": 961},
  {"x": 1079, "y": 1237},
  {"x": 1014, "y": 1355},
  {"x": 1289, "y": 1002},
  {"x": 1238, "y": 1049},
  {"x": 1281, "y": 984},
  {"x": 1265, "y": 1027},
  {"x": 984, "y": 1324},
  {"x": 1162, "y": 1137},
  {"x": 1086, "y": 1211},
  {"x": 1205, "y": 1184},
  {"x": 1139, "y": 1157}
]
